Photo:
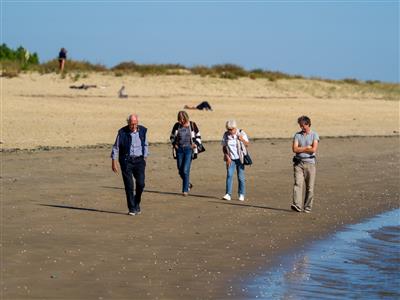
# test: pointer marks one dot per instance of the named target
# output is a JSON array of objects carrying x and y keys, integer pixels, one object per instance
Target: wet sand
[{"x": 66, "y": 235}]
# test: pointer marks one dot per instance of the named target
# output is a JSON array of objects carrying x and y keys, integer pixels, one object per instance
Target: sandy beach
[
  {"x": 64, "y": 117},
  {"x": 65, "y": 233}
]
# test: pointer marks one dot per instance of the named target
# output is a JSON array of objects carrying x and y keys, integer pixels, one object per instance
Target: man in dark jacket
[{"x": 131, "y": 148}]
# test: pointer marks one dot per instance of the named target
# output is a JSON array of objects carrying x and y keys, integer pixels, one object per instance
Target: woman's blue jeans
[
  {"x": 184, "y": 161},
  {"x": 235, "y": 164}
]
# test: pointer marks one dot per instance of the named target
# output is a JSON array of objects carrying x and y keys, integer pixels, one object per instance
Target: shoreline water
[
  {"x": 63, "y": 208},
  {"x": 346, "y": 264}
]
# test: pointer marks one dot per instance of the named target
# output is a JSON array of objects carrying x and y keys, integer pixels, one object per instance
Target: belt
[
  {"x": 134, "y": 157},
  {"x": 312, "y": 156}
]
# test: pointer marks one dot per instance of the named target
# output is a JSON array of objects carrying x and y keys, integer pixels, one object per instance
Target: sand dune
[{"x": 41, "y": 110}]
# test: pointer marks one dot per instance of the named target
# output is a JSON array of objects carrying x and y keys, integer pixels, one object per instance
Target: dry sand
[
  {"x": 64, "y": 230},
  {"x": 60, "y": 116}
]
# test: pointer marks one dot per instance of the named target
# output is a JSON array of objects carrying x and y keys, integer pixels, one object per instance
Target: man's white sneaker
[
  {"x": 227, "y": 197},
  {"x": 241, "y": 197}
]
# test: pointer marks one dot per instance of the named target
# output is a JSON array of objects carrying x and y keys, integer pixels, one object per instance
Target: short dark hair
[{"x": 304, "y": 120}]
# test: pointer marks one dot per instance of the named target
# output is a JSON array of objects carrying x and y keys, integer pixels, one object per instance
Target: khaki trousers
[{"x": 304, "y": 173}]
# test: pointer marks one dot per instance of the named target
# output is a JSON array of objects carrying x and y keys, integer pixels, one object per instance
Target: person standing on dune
[{"x": 62, "y": 57}]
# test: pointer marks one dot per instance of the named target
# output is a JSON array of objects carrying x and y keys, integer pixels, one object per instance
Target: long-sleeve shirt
[
  {"x": 135, "y": 149},
  {"x": 233, "y": 144}
]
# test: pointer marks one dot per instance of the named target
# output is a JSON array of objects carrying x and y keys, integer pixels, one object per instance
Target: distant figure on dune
[
  {"x": 62, "y": 57},
  {"x": 122, "y": 93},
  {"x": 305, "y": 145},
  {"x": 202, "y": 106}
]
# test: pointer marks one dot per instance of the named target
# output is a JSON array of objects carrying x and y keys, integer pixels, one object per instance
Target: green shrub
[
  {"x": 372, "y": 82},
  {"x": 13, "y": 61},
  {"x": 351, "y": 81},
  {"x": 84, "y": 66},
  {"x": 52, "y": 66},
  {"x": 202, "y": 71},
  {"x": 9, "y": 74},
  {"x": 125, "y": 66},
  {"x": 48, "y": 67},
  {"x": 297, "y": 76},
  {"x": 270, "y": 75},
  {"x": 149, "y": 69},
  {"x": 229, "y": 70},
  {"x": 256, "y": 73},
  {"x": 228, "y": 75},
  {"x": 275, "y": 75},
  {"x": 10, "y": 66}
]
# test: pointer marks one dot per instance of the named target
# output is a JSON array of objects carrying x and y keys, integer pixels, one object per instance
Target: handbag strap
[
  {"x": 242, "y": 145},
  {"x": 190, "y": 129}
]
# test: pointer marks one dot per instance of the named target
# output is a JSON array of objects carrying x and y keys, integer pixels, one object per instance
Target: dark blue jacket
[{"x": 125, "y": 141}]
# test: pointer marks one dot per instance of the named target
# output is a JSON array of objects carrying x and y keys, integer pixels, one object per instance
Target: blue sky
[{"x": 329, "y": 39}]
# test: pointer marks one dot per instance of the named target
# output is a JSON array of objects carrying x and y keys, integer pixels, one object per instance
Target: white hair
[
  {"x": 230, "y": 124},
  {"x": 129, "y": 117}
]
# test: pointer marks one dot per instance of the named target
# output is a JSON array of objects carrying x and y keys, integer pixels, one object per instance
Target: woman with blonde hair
[
  {"x": 234, "y": 146},
  {"x": 185, "y": 139}
]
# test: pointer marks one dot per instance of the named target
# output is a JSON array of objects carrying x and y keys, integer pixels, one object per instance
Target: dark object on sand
[
  {"x": 202, "y": 106},
  {"x": 83, "y": 86}
]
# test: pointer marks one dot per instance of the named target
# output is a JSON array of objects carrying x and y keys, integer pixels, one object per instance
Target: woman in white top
[{"x": 234, "y": 144}]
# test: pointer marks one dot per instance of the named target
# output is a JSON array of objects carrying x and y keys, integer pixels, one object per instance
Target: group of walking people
[{"x": 131, "y": 149}]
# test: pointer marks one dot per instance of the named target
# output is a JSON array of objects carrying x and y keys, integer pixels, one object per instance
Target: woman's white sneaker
[
  {"x": 227, "y": 197},
  {"x": 241, "y": 197}
]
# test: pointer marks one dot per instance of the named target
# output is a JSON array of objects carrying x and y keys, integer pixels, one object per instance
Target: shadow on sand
[
  {"x": 254, "y": 206},
  {"x": 166, "y": 193},
  {"x": 83, "y": 208},
  {"x": 208, "y": 197},
  {"x": 180, "y": 194}
]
